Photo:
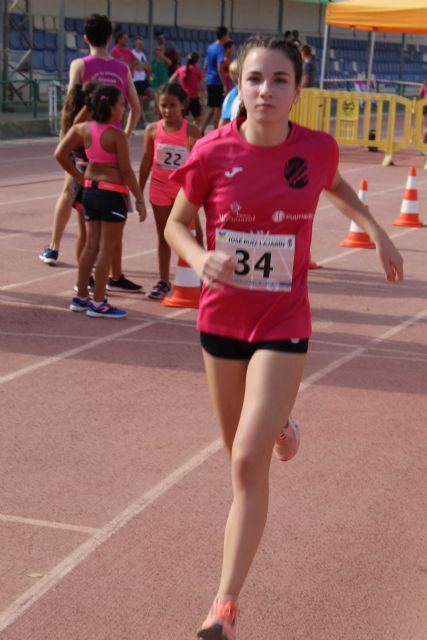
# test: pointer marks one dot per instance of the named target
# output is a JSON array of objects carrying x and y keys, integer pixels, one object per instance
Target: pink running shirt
[
  {"x": 191, "y": 84},
  {"x": 170, "y": 152},
  {"x": 271, "y": 195}
]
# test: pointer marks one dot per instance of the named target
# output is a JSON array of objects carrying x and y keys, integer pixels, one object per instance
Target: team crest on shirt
[{"x": 295, "y": 173}]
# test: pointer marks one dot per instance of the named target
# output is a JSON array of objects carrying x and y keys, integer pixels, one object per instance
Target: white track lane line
[
  {"x": 50, "y": 524},
  {"x": 85, "y": 347},
  {"x": 337, "y": 256},
  {"x": 58, "y": 573},
  {"x": 6, "y": 203},
  {"x": 65, "y": 272}
]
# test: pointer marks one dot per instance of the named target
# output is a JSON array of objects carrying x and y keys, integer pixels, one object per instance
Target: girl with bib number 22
[
  {"x": 259, "y": 180},
  {"x": 167, "y": 143}
]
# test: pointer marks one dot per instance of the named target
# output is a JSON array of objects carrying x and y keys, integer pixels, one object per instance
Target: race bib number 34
[
  {"x": 170, "y": 157},
  {"x": 263, "y": 262}
]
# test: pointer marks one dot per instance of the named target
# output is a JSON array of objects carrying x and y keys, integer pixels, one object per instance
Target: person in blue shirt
[
  {"x": 215, "y": 78},
  {"x": 230, "y": 106}
]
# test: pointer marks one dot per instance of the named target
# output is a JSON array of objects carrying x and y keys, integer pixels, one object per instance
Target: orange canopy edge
[{"x": 401, "y": 16}]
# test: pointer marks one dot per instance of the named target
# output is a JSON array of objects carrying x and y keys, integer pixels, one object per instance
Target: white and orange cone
[
  {"x": 186, "y": 286},
  {"x": 357, "y": 237},
  {"x": 409, "y": 212}
]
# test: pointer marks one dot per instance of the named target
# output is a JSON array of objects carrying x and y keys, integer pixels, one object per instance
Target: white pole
[
  {"x": 324, "y": 54},
  {"x": 371, "y": 58},
  {"x": 61, "y": 40}
]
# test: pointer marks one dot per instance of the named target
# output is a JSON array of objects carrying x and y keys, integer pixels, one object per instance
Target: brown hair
[
  {"x": 73, "y": 103},
  {"x": 192, "y": 59},
  {"x": 272, "y": 43}
]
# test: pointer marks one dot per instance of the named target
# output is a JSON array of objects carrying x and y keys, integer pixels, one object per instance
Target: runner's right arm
[{"x": 213, "y": 267}]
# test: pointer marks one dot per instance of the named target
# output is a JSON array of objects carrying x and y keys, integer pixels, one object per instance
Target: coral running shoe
[
  {"x": 221, "y": 621},
  {"x": 288, "y": 440}
]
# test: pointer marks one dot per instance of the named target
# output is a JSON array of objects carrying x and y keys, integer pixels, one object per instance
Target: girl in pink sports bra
[
  {"x": 167, "y": 144},
  {"x": 107, "y": 181}
]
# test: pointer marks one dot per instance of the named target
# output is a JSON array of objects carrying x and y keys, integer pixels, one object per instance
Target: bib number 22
[{"x": 172, "y": 159}]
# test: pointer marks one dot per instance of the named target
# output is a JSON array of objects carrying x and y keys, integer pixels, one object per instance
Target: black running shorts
[
  {"x": 233, "y": 349},
  {"x": 104, "y": 206},
  {"x": 215, "y": 95}
]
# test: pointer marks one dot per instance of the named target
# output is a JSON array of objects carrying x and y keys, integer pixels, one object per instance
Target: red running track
[{"x": 114, "y": 485}]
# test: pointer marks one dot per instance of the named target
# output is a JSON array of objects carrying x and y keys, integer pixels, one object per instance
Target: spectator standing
[
  {"x": 295, "y": 38},
  {"x": 141, "y": 76},
  {"x": 308, "y": 68},
  {"x": 169, "y": 50},
  {"x": 215, "y": 78},
  {"x": 230, "y": 106},
  {"x": 101, "y": 67},
  {"x": 192, "y": 80},
  {"x": 122, "y": 52},
  {"x": 107, "y": 181},
  {"x": 166, "y": 147},
  {"x": 160, "y": 66}
]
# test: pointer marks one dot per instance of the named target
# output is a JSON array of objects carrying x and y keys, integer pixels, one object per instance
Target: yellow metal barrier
[
  {"x": 360, "y": 119},
  {"x": 419, "y": 126}
]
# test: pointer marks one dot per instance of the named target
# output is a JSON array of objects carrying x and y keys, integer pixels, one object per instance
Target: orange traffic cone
[
  {"x": 409, "y": 212},
  {"x": 357, "y": 237},
  {"x": 186, "y": 286},
  {"x": 313, "y": 265}
]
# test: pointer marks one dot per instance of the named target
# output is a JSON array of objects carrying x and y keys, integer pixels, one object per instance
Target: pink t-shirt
[
  {"x": 260, "y": 204},
  {"x": 123, "y": 54},
  {"x": 191, "y": 84}
]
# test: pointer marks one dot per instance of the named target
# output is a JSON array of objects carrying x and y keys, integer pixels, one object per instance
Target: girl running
[
  {"x": 259, "y": 180},
  {"x": 166, "y": 146},
  {"x": 192, "y": 79},
  {"x": 106, "y": 182}
]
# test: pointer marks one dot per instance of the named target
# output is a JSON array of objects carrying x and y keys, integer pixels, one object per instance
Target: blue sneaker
[
  {"x": 49, "y": 256},
  {"x": 105, "y": 310},
  {"x": 79, "y": 304}
]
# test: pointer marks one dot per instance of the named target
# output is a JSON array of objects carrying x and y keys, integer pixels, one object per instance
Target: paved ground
[{"x": 114, "y": 485}]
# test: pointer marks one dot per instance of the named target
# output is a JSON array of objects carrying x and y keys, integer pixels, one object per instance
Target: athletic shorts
[
  {"x": 141, "y": 86},
  {"x": 102, "y": 203},
  {"x": 215, "y": 95},
  {"x": 162, "y": 192},
  {"x": 233, "y": 349},
  {"x": 194, "y": 107}
]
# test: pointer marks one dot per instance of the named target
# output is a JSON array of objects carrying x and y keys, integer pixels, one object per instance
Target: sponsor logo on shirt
[
  {"x": 232, "y": 172},
  {"x": 278, "y": 216},
  {"x": 296, "y": 173}
]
